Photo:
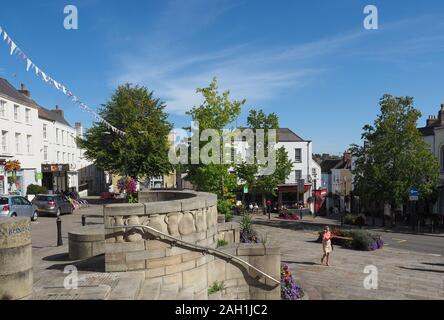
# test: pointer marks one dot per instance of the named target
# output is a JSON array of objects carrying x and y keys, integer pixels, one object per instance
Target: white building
[
  {"x": 59, "y": 152},
  {"x": 41, "y": 140},
  {"x": 305, "y": 168},
  {"x": 20, "y": 139}
]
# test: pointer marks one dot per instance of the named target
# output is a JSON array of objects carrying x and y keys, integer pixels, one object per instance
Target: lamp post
[{"x": 314, "y": 190}]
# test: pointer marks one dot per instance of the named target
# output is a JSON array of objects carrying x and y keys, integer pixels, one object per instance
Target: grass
[
  {"x": 216, "y": 287},
  {"x": 221, "y": 243}
]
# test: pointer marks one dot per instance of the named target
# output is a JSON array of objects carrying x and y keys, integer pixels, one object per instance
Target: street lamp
[{"x": 314, "y": 191}]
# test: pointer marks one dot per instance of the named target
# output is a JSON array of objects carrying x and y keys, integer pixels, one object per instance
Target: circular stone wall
[{"x": 15, "y": 258}]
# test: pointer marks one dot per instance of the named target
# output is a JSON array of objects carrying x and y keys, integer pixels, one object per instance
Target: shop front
[
  {"x": 55, "y": 177},
  {"x": 3, "y": 177}
]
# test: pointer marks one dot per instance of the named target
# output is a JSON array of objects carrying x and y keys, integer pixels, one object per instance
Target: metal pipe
[{"x": 196, "y": 246}]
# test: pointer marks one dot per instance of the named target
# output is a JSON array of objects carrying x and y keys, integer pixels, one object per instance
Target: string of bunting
[{"x": 14, "y": 49}]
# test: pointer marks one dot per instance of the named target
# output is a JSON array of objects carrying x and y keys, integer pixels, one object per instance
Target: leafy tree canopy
[
  {"x": 394, "y": 157},
  {"x": 143, "y": 150}
]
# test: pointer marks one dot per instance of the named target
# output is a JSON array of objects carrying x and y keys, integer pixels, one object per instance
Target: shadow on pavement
[
  {"x": 434, "y": 264},
  {"x": 419, "y": 269},
  {"x": 94, "y": 264},
  {"x": 303, "y": 262},
  {"x": 58, "y": 257}
]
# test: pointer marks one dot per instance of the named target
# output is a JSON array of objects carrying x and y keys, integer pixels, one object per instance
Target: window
[
  {"x": 16, "y": 112},
  {"x": 3, "y": 113},
  {"x": 4, "y": 141},
  {"x": 63, "y": 158},
  {"x": 58, "y": 156},
  {"x": 27, "y": 115},
  {"x": 57, "y": 136},
  {"x": 63, "y": 137},
  {"x": 45, "y": 131},
  {"x": 45, "y": 153},
  {"x": 298, "y": 155},
  {"x": 298, "y": 175},
  {"x": 29, "y": 144},
  {"x": 17, "y": 142}
]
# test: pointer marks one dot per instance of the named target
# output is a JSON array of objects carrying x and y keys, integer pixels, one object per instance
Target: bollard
[
  {"x": 300, "y": 213},
  {"x": 59, "y": 232},
  {"x": 419, "y": 223},
  {"x": 83, "y": 220}
]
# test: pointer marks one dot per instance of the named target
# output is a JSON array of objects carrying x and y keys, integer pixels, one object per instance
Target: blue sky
[{"x": 311, "y": 62}]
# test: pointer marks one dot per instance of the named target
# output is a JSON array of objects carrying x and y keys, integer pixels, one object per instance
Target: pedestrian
[
  {"x": 251, "y": 207},
  {"x": 268, "y": 206},
  {"x": 256, "y": 208},
  {"x": 326, "y": 245}
]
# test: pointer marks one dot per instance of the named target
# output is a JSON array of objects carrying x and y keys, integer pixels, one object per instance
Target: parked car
[
  {"x": 17, "y": 206},
  {"x": 54, "y": 204}
]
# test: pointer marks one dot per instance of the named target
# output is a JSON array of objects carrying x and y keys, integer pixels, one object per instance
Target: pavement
[
  {"x": 401, "y": 237},
  {"x": 405, "y": 269},
  {"x": 402, "y": 273}
]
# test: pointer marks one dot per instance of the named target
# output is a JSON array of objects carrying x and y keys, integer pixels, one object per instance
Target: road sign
[{"x": 414, "y": 194}]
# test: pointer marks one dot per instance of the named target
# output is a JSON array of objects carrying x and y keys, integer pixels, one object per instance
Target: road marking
[
  {"x": 399, "y": 240},
  {"x": 435, "y": 255}
]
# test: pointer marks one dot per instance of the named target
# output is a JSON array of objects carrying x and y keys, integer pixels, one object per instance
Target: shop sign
[{"x": 55, "y": 167}]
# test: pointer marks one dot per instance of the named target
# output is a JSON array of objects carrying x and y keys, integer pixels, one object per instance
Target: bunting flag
[{"x": 39, "y": 72}]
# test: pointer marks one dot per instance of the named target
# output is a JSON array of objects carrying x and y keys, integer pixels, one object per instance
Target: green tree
[
  {"x": 394, "y": 157},
  {"x": 143, "y": 150},
  {"x": 249, "y": 173},
  {"x": 216, "y": 112}
]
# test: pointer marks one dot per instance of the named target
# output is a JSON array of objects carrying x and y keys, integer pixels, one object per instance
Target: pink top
[{"x": 327, "y": 235}]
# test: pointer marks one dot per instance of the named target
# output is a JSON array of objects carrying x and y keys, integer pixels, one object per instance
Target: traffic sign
[{"x": 414, "y": 194}]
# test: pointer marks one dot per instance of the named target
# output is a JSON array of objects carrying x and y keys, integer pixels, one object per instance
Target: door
[
  {"x": 27, "y": 207},
  {"x": 16, "y": 206}
]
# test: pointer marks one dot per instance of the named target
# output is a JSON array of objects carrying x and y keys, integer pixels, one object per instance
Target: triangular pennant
[
  {"x": 13, "y": 46},
  {"x": 5, "y": 35},
  {"x": 28, "y": 64}
]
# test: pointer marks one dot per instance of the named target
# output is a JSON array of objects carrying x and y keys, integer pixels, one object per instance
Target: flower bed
[
  {"x": 362, "y": 239},
  {"x": 288, "y": 216},
  {"x": 289, "y": 289}
]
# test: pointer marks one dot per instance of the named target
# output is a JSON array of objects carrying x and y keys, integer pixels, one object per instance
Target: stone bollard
[{"x": 16, "y": 276}]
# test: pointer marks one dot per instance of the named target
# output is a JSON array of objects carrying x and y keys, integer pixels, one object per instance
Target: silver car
[{"x": 17, "y": 206}]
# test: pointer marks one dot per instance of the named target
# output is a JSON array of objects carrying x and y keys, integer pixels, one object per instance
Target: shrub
[
  {"x": 349, "y": 219},
  {"x": 216, "y": 287},
  {"x": 34, "y": 189},
  {"x": 225, "y": 207},
  {"x": 362, "y": 239},
  {"x": 246, "y": 222}
]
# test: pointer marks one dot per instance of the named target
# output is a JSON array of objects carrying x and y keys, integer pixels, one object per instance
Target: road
[
  {"x": 44, "y": 230},
  {"x": 415, "y": 242}
]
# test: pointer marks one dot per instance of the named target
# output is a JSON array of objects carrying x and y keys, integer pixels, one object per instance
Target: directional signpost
[{"x": 413, "y": 196}]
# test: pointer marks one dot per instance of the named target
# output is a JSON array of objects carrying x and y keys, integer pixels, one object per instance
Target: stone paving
[{"x": 402, "y": 274}]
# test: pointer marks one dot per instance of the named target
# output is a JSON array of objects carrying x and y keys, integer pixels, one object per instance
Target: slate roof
[
  {"x": 427, "y": 131},
  {"x": 8, "y": 90},
  {"x": 52, "y": 116},
  {"x": 284, "y": 135},
  {"x": 329, "y": 164}
]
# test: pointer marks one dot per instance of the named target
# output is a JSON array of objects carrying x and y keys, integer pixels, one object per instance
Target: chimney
[
  {"x": 441, "y": 116},
  {"x": 24, "y": 91},
  {"x": 59, "y": 111},
  {"x": 430, "y": 121},
  {"x": 79, "y": 129}
]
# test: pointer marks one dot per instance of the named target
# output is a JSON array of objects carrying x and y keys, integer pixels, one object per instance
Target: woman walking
[{"x": 326, "y": 245}]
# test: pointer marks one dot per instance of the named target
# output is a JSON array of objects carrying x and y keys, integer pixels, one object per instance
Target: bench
[{"x": 86, "y": 242}]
